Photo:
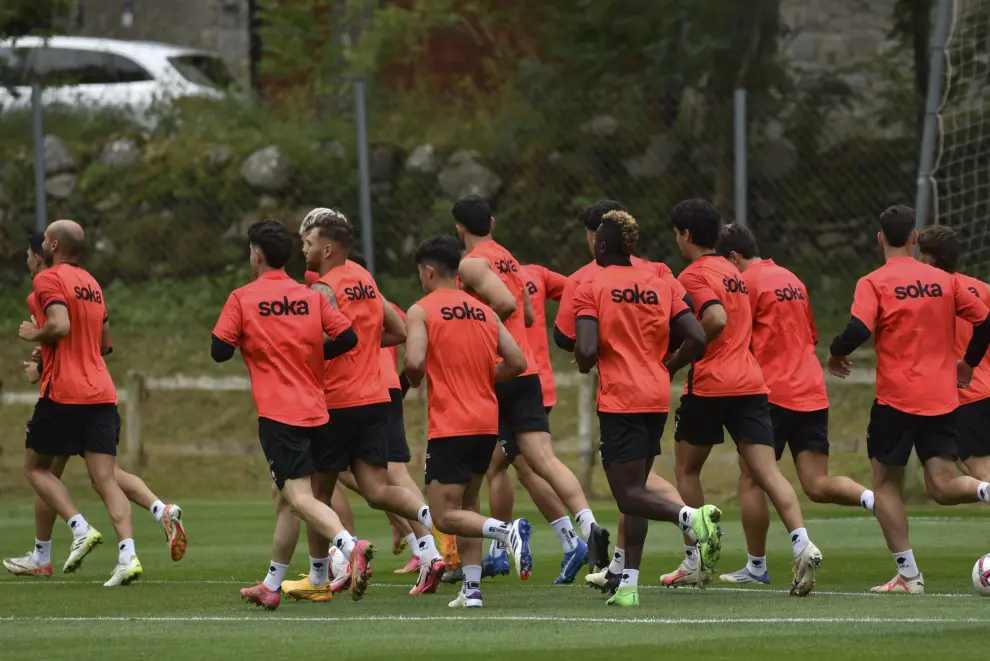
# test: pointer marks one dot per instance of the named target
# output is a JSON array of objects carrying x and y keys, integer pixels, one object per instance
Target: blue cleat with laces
[{"x": 572, "y": 564}]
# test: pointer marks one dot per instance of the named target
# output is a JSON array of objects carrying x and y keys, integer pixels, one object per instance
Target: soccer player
[
  {"x": 491, "y": 274},
  {"x": 939, "y": 246},
  {"x": 912, "y": 307},
  {"x": 279, "y": 326},
  {"x": 541, "y": 284},
  {"x": 725, "y": 390},
  {"x": 169, "y": 517},
  {"x": 77, "y": 412},
  {"x": 455, "y": 342},
  {"x": 784, "y": 339},
  {"x": 624, "y": 315}
]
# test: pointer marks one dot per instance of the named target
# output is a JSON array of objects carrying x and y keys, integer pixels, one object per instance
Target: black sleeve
[
  {"x": 562, "y": 341},
  {"x": 404, "y": 383},
  {"x": 41, "y": 366},
  {"x": 108, "y": 351},
  {"x": 852, "y": 337},
  {"x": 978, "y": 344},
  {"x": 340, "y": 345},
  {"x": 220, "y": 351}
]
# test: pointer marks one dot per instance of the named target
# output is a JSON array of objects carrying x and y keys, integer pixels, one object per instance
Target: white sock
[
  {"x": 691, "y": 556},
  {"x": 125, "y": 551},
  {"x": 472, "y": 578},
  {"x": 276, "y": 574},
  {"x": 497, "y": 548},
  {"x": 495, "y": 529},
  {"x": 618, "y": 561},
  {"x": 906, "y": 566},
  {"x": 868, "y": 501},
  {"x": 565, "y": 533},
  {"x": 982, "y": 492},
  {"x": 629, "y": 577},
  {"x": 345, "y": 543},
  {"x": 584, "y": 520},
  {"x": 684, "y": 519},
  {"x": 158, "y": 509},
  {"x": 42, "y": 552},
  {"x": 78, "y": 525},
  {"x": 757, "y": 565},
  {"x": 411, "y": 542},
  {"x": 319, "y": 571},
  {"x": 425, "y": 518},
  {"x": 799, "y": 539},
  {"x": 426, "y": 548}
]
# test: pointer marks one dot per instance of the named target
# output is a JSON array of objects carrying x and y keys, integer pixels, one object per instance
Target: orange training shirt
[
  {"x": 389, "y": 359},
  {"x": 979, "y": 387},
  {"x": 542, "y": 284},
  {"x": 47, "y": 350}
]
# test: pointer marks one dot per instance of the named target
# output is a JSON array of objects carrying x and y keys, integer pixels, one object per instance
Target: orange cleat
[
  {"x": 448, "y": 548},
  {"x": 259, "y": 595},
  {"x": 175, "y": 533},
  {"x": 361, "y": 558}
]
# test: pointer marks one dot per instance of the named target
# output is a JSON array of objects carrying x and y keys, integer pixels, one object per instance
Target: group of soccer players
[{"x": 325, "y": 381}]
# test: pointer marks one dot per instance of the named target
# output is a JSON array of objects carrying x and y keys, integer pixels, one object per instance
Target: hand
[
  {"x": 964, "y": 374},
  {"x": 36, "y": 354},
  {"x": 32, "y": 372},
  {"x": 29, "y": 330},
  {"x": 840, "y": 366}
]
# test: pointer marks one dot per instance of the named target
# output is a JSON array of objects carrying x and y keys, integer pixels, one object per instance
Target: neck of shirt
[{"x": 273, "y": 274}]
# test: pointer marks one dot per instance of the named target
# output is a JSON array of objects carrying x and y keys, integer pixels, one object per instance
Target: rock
[
  {"x": 335, "y": 149},
  {"x": 267, "y": 202},
  {"x": 120, "y": 153},
  {"x": 384, "y": 162},
  {"x": 774, "y": 159},
  {"x": 463, "y": 176},
  {"x": 656, "y": 159},
  {"x": 238, "y": 229},
  {"x": 267, "y": 169},
  {"x": 423, "y": 159},
  {"x": 110, "y": 202},
  {"x": 219, "y": 155},
  {"x": 57, "y": 157},
  {"x": 61, "y": 186},
  {"x": 602, "y": 126}
]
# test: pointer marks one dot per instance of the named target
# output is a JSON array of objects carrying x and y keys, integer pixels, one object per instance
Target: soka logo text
[
  {"x": 282, "y": 308},
  {"x": 360, "y": 292},
  {"x": 735, "y": 286},
  {"x": 531, "y": 286},
  {"x": 463, "y": 311},
  {"x": 87, "y": 293},
  {"x": 635, "y": 295},
  {"x": 789, "y": 293},
  {"x": 505, "y": 266},
  {"x": 918, "y": 290}
]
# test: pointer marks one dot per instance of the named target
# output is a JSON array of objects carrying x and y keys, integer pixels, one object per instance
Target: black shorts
[
  {"x": 801, "y": 430},
  {"x": 700, "y": 420},
  {"x": 507, "y": 440},
  {"x": 398, "y": 446},
  {"x": 630, "y": 436},
  {"x": 356, "y": 433},
  {"x": 288, "y": 448},
  {"x": 892, "y": 434},
  {"x": 973, "y": 423},
  {"x": 73, "y": 429},
  {"x": 458, "y": 459}
]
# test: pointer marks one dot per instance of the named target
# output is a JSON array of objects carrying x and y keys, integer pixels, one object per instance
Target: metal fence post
[
  {"x": 131, "y": 452},
  {"x": 364, "y": 176},
  {"x": 933, "y": 102},
  {"x": 739, "y": 139},
  {"x": 38, "y": 135}
]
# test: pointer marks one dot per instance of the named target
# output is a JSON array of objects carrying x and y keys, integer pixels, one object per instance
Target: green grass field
[{"x": 191, "y": 610}]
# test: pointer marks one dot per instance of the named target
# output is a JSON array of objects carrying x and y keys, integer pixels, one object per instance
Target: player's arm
[
  {"x": 33, "y": 367},
  {"x": 106, "y": 340},
  {"x": 710, "y": 311},
  {"x": 339, "y": 336},
  {"x": 479, "y": 278},
  {"x": 862, "y": 318},
  {"x": 327, "y": 292},
  {"x": 513, "y": 360},
  {"x": 692, "y": 335},
  {"x": 393, "y": 328},
  {"x": 563, "y": 325},
  {"x": 227, "y": 332},
  {"x": 48, "y": 293},
  {"x": 528, "y": 315},
  {"x": 678, "y": 291},
  {"x": 972, "y": 309},
  {"x": 585, "y": 328},
  {"x": 416, "y": 343},
  {"x": 554, "y": 283}
]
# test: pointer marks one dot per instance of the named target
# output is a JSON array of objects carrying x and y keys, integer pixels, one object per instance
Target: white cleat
[
  {"x": 125, "y": 573},
  {"x": 901, "y": 585},
  {"x": 26, "y": 566},
  {"x": 81, "y": 546},
  {"x": 806, "y": 570},
  {"x": 685, "y": 576},
  {"x": 472, "y": 600}
]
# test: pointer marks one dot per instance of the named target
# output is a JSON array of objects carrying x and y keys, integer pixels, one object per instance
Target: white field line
[{"x": 515, "y": 618}]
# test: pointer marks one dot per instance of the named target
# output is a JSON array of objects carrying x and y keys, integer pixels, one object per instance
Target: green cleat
[
  {"x": 704, "y": 523},
  {"x": 626, "y": 596}
]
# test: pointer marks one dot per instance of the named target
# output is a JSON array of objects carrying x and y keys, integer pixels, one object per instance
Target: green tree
[{"x": 32, "y": 17}]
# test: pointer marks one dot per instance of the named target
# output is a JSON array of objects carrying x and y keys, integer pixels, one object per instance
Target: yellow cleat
[
  {"x": 448, "y": 549},
  {"x": 303, "y": 590}
]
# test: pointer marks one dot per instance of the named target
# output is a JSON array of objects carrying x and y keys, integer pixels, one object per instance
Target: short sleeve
[
  {"x": 333, "y": 320},
  {"x": 676, "y": 288},
  {"x": 866, "y": 304},
  {"x": 554, "y": 283},
  {"x": 48, "y": 290},
  {"x": 565, "y": 313},
  {"x": 677, "y": 304},
  {"x": 811, "y": 317},
  {"x": 700, "y": 292},
  {"x": 311, "y": 278},
  {"x": 968, "y": 306},
  {"x": 584, "y": 302},
  {"x": 229, "y": 325}
]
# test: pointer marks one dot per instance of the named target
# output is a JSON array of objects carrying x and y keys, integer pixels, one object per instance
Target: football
[{"x": 981, "y": 575}]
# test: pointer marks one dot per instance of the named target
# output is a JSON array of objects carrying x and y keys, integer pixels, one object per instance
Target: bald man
[{"x": 76, "y": 413}]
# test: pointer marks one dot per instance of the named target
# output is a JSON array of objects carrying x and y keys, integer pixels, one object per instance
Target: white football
[
  {"x": 981, "y": 575},
  {"x": 338, "y": 563}
]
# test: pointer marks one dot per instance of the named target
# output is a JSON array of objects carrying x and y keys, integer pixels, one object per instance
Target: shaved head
[{"x": 65, "y": 238}]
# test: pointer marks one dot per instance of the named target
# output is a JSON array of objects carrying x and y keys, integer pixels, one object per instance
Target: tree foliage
[{"x": 32, "y": 17}]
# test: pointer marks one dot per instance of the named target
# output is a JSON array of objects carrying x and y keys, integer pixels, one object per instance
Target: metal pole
[
  {"x": 38, "y": 134},
  {"x": 933, "y": 102},
  {"x": 364, "y": 176},
  {"x": 739, "y": 136}
]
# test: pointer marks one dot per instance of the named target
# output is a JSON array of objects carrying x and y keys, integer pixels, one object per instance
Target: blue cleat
[
  {"x": 497, "y": 565},
  {"x": 744, "y": 575},
  {"x": 519, "y": 536},
  {"x": 572, "y": 564}
]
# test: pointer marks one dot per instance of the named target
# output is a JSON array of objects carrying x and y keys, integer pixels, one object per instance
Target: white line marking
[{"x": 517, "y": 618}]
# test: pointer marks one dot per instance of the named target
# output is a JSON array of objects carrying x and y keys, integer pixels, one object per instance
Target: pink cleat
[
  {"x": 361, "y": 558},
  {"x": 259, "y": 595},
  {"x": 429, "y": 577},
  {"x": 411, "y": 566}
]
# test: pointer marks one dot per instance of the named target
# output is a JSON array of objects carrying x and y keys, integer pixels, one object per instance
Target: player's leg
[
  {"x": 346, "y": 478},
  {"x": 978, "y": 467},
  {"x": 431, "y": 564},
  {"x": 38, "y": 562},
  {"x": 756, "y": 523},
  {"x": 974, "y": 438},
  {"x": 501, "y": 499},
  {"x": 341, "y": 505},
  {"x": 820, "y": 487},
  {"x": 937, "y": 447},
  {"x": 168, "y": 516}
]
